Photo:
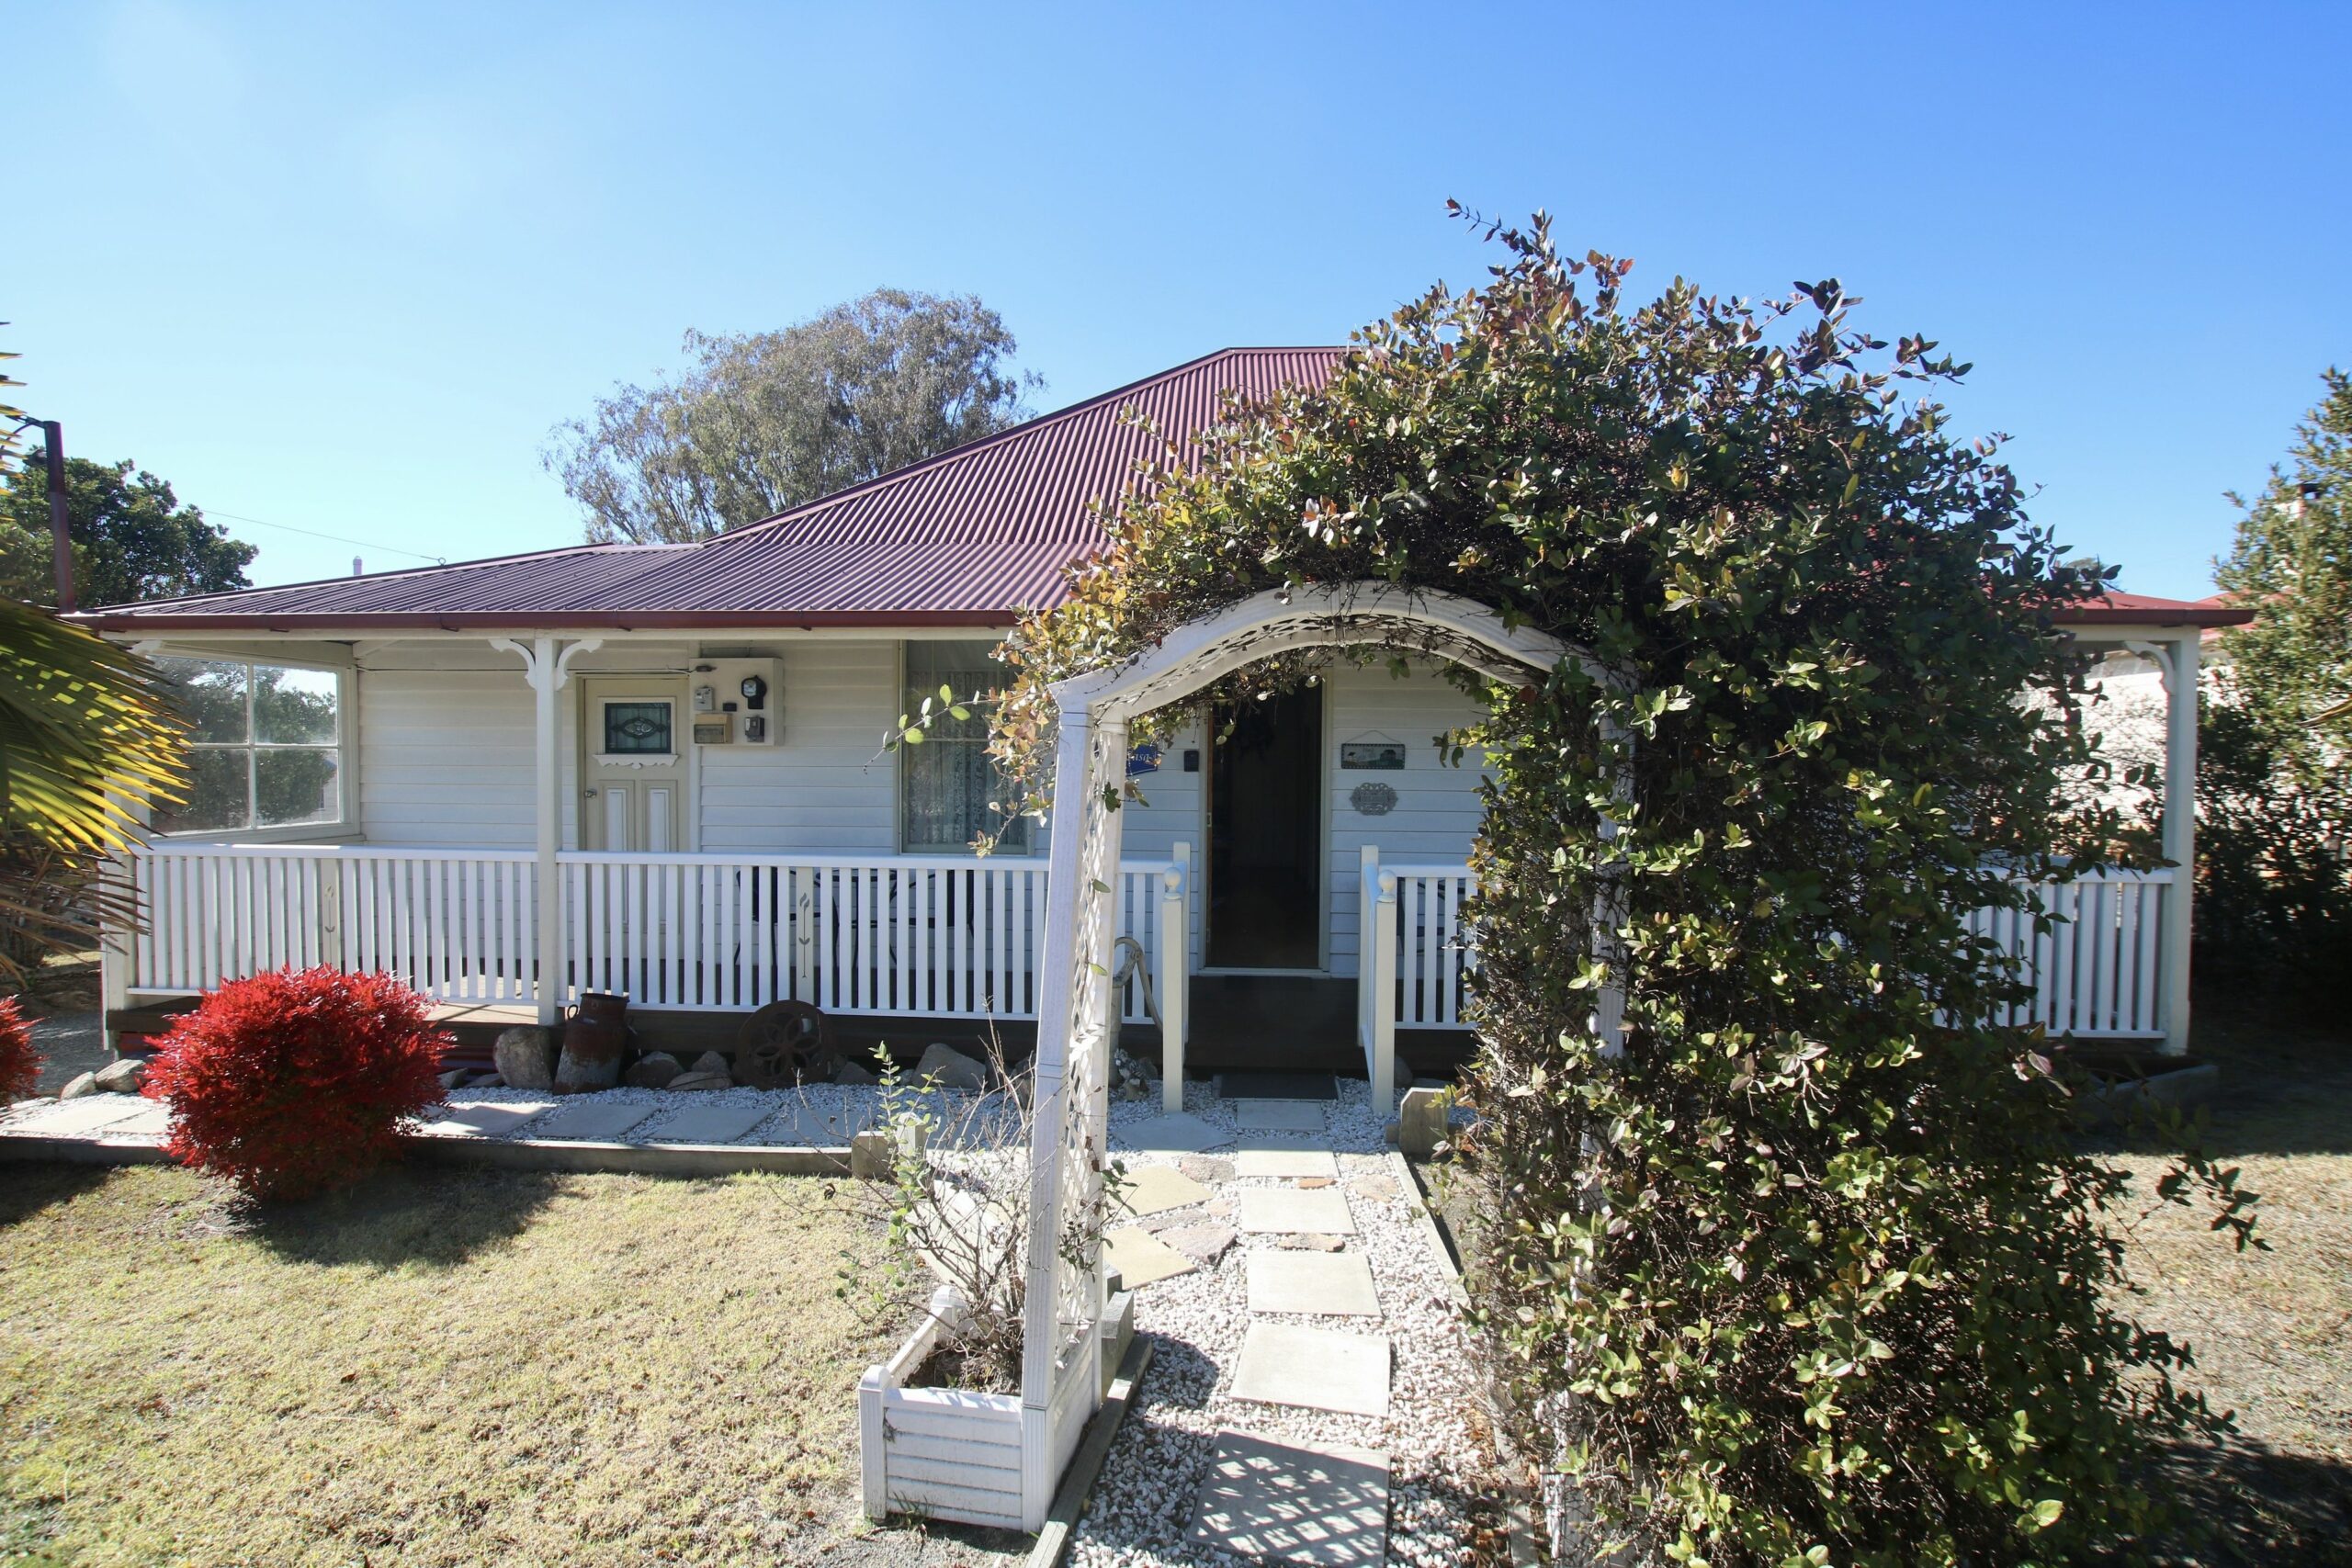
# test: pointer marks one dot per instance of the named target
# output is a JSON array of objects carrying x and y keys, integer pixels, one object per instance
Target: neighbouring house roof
[
  {"x": 2141, "y": 609},
  {"x": 969, "y": 537}
]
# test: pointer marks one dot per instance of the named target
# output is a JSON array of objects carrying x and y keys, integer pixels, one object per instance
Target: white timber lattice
[{"x": 1076, "y": 1028}]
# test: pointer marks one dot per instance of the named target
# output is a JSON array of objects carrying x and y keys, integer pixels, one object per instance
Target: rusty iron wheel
[{"x": 786, "y": 1043}]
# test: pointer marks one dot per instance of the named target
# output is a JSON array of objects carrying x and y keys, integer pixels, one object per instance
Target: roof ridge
[{"x": 1027, "y": 426}]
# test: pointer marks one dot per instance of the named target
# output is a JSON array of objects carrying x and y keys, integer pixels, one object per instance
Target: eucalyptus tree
[{"x": 757, "y": 422}]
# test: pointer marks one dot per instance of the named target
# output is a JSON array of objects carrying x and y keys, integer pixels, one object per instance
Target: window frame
[
  {"x": 900, "y": 693},
  {"x": 344, "y": 824}
]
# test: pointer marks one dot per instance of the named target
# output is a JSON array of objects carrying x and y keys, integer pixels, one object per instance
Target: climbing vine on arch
[{"x": 1812, "y": 1272}]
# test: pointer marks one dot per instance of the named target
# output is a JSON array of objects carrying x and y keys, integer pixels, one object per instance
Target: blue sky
[{"x": 343, "y": 268}]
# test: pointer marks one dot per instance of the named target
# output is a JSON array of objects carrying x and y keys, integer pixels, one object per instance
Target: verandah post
[
  {"x": 546, "y": 669},
  {"x": 2179, "y": 830},
  {"x": 1175, "y": 975}
]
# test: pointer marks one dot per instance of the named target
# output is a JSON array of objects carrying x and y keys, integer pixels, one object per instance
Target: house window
[
  {"x": 947, "y": 782},
  {"x": 264, "y": 745}
]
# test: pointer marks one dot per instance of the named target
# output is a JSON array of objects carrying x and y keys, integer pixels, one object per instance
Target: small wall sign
[
  {"x": 1388, "y": 756},
  {"x": 1372, "y": 799},
  {"x": 1144, "y": 760}
]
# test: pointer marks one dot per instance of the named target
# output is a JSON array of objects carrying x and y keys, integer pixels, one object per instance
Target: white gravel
[
  {"x": 1440, "y": 1457},
  {"x": 822, "y": 1114}
]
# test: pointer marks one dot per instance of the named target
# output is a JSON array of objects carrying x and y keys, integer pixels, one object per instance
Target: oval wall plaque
[{"x": 1372, "y": 799}]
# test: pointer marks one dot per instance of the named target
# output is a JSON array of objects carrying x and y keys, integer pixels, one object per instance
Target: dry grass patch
[
  {"x": 2272, "y": 1331},
  {"x": 440, "y": 1367}
]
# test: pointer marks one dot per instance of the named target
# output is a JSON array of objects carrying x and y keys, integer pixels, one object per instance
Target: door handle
[{"x": 587, "y": 794}]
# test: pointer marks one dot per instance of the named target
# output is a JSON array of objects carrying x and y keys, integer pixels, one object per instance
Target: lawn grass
[
  {"x": 2272, "y": 1330},
  {"x": 437, "y": 1367}
]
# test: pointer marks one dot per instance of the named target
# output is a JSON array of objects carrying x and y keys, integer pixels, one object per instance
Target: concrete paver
[
  {"x": 76, "y": 1118},
  {"x": 1275, "y": 1211},
  {"x": 709, "y": 1125},
  {"x": 1142, "y": 1257},
  {"x": 1153, "y": 1188},
  {"x": 1329, "y": 1284},
  {"x": 1279, "y": 1115},
  {"x": 1271, "y": 1502},
  {"x": 1173, "y": 1133},
  {"x": 592, "y": 1123},
  {"x": 1288, "y": 1157},
  {"x": 1314, "y": 1369},
  {"x": 487, "y": 1119}
]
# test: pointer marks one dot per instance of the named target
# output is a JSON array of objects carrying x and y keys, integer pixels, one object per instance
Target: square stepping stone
[
  {"x": 805, "y": 1126},
  {"x": 149, "y": 1121},
  {"x": 1152, "y": 1188},
  {"x": 1285, "y": 1158},
  {"x": 1269, "y": 1502},
  {"x": 79, "y": 1117},
  {"x": 1314, "y": 1368},
  {"x": 1142, "y": 1257},
  {"x": 1278, "y": 1115},
  {"x": 709, "y": 1125},
  {"x": 489, "y": 1120},
  {"x": 1175, "y": 1133},
  {"x": 1275, "y": 1211},
  {"x": 592, "y": 1123},
  {"x": 1328, "y": 1284}
]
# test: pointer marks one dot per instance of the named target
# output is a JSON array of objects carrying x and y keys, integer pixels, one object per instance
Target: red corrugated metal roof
[{"x": 968, "y": 538}]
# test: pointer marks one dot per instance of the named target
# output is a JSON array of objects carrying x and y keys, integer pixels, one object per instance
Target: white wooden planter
[{"x": 942, "y": 1453}]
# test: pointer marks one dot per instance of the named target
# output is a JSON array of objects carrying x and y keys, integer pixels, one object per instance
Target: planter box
[{"x": 940, "y": 1453}]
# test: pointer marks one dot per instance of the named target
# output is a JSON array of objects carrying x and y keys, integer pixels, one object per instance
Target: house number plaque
[{"x": 1372, "y": 799}]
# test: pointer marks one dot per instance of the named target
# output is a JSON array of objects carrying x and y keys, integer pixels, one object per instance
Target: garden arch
[{"x": 1060, "y": 1380}]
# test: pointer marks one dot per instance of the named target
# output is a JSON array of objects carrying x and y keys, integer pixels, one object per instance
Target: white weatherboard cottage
[{"x": 658, "y": 770}]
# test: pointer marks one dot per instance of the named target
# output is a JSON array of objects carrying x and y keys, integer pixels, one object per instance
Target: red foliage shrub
[
  {"x": 294, "y": 1082},
  {"x": 20, "y": 1063}
]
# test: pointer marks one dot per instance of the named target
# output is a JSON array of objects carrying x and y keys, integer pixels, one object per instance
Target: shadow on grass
[
  {"x": 2252, "y": 1505},
  {"x": 406, "y": 1216},
  {"x": 26, "y": 1189}
]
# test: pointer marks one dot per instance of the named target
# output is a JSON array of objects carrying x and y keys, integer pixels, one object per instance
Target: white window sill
[{"x": 291, "y": 833}]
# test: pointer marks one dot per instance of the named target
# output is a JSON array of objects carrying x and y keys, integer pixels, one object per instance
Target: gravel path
[{"x": 1439, "y": 1451}]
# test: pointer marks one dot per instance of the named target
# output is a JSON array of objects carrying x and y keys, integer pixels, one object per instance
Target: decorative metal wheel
[{"x": 786, "y": 1043}]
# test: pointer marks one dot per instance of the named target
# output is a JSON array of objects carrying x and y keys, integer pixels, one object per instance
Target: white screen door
[{"x": 634, "y": 732}]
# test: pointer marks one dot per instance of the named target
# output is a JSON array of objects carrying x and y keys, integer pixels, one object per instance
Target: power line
[{"x": 315, "y": 534}]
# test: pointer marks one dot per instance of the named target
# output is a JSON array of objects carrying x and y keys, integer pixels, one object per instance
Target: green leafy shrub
[
  {"x": 1810, "y": 1273},
  {"x": 2273, "y": 792}
]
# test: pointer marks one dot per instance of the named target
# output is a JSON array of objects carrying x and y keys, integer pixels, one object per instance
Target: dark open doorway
[{"x": 1266, "y": 834}]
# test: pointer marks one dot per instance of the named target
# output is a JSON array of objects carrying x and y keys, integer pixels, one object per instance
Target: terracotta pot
[{"x": 593, "y": 1044}]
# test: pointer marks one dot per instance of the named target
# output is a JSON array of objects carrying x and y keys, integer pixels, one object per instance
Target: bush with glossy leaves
[{"x": 1810, "y": 1271}]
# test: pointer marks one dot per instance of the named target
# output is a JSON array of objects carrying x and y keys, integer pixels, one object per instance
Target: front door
[
  {"x": 1265, "y": 885},
  {"x": 634, "y": 731}
]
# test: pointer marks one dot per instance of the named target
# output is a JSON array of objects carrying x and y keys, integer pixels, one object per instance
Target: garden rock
[
  {"x": 711, "y": 1062},
  {"x": 123, "y": 1076},
  {"x": 525, "y": 1056},
  {"x": 455, "y": 1078},
  {"x": 87, "y": 1084},
  {"x": 952, "y": 1069},
  {"x": 1301, "y": 1241},
  {"x": 854, "y": 1073},
  {"x": 690, "y": 1083},
  {"x": 1207, "y": 1167},
  {"x": 656, "y": 1070},
  {"x": 1204, "y": 1244}
]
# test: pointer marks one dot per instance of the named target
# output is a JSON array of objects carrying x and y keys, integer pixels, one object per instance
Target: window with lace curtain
[{"x": 947, "y": 782}]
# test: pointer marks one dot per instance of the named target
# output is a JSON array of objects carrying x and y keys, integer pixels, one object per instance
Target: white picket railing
[
  {"x": 937, "y": 936},
  {"x": 458, "y": 925},
  {"x": 2095, "y": 974}
]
